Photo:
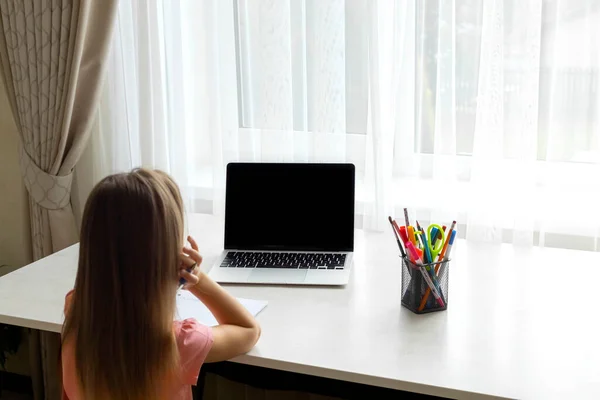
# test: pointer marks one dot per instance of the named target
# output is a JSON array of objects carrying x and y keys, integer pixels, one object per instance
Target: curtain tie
[{"x": 51, "y": 192}]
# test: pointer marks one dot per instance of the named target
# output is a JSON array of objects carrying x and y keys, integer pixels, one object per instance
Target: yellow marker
[{"x": 411, "y": 235}]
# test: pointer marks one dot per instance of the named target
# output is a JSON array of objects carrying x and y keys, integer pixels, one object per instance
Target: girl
[{"x": 119, "y": 338}]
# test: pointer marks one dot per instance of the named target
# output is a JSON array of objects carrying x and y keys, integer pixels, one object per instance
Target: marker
[
  {"x": 403, "y": 235},
  {"x": 412, "y": 250},
  {"x": 419, "y": 254},
  {"x": 411, "y": 235},
  {"x": 393, "y": 224},
  {"x": 405, "y": 240}
]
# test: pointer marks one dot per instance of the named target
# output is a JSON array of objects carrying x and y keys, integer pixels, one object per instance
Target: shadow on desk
[{"x": 232, "y": 381}]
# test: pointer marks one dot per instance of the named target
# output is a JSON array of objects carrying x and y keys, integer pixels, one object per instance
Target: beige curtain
[{"x": 52, "y": 55}]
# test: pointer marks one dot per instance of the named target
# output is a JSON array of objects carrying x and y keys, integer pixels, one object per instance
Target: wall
[{"x": 15, "y": 239}]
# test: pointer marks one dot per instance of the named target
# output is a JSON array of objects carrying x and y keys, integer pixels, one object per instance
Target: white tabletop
[{"x": 521, "y": 323}]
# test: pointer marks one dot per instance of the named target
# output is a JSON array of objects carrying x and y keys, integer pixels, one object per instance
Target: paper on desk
[{"x": 188, "y": 306}]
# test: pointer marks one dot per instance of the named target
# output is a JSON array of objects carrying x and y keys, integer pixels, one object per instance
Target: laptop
[{"x": 287, "y": 223}]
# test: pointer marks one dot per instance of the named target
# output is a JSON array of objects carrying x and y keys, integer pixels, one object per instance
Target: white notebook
[{"x": 188, "y": 306}]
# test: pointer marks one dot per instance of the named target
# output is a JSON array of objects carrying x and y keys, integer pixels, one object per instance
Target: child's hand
[{"x": 190, "y": 263}]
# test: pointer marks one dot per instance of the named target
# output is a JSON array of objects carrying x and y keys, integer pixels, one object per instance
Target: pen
[
  {"x": 444, "y": 249},
  {"x": 429, "y": 258},
  {"x": 450, "y": 245},
  {"x": 393, "y": 224},
  {"x": 406, "y": 217},
  {"x": 424, "y": 240},
  {"x": 182, "y": 281},
  {"x": 441, "y": 255},
  {"x": 451, "y": 229},
  {"x": 447, "y": 256},
  {"x": 412, "y": 250},
  {"x": 433, "y": 237},
  {"x": 437, "y": 268}
]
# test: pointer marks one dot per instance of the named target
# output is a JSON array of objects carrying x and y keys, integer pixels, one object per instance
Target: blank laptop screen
[{"x": 306, "y": 207}]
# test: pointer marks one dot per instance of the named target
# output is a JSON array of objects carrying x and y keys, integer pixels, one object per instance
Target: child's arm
[{"x": 238, "y": 331}]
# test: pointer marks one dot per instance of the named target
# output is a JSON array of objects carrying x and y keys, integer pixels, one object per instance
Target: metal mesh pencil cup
[{"x": 415, "y": 287}]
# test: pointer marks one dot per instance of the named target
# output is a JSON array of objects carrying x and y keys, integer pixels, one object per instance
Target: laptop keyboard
[{"x": 237, "y": 259}]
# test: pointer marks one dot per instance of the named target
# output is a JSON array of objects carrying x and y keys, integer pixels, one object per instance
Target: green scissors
[{"x": 434, "y": 242}]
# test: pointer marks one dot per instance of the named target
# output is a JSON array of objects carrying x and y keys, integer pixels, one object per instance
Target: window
[
  {"x": 302, "y": 66},
  {"x": 493, "y": 104}
]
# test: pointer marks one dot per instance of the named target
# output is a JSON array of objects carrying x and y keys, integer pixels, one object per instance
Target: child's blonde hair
[{"x": 121, "y": 315}]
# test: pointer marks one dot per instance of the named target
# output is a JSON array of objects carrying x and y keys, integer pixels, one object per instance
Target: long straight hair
[{"x": 121, "y": 314}]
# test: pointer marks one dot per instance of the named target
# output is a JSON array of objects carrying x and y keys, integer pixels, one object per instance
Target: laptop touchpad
[{"x": 281, "y": 276}]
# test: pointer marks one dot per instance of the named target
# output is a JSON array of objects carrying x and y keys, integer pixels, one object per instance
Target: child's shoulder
[{"x": 190, "y": 329}]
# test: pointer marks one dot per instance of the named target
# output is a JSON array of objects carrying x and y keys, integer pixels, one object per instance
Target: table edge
[
  {"x": 31, "y": 323},
  {"x": 395, "y": 384},
  {"x": 292, "y": 367}
]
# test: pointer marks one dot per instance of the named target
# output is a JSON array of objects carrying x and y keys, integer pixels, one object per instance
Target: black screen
[{"x": 289, "y": 207}]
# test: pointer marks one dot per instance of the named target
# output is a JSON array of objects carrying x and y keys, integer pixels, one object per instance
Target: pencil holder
[{"x": 417, "y": 295}]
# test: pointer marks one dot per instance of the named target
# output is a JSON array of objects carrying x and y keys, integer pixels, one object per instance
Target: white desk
[{"x": 520, "y": 322}]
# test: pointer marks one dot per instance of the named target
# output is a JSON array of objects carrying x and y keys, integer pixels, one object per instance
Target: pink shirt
[{"x": 194, "y": 341}]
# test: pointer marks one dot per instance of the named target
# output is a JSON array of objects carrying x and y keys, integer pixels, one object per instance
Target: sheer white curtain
[{"x": 484, "y": 111}]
